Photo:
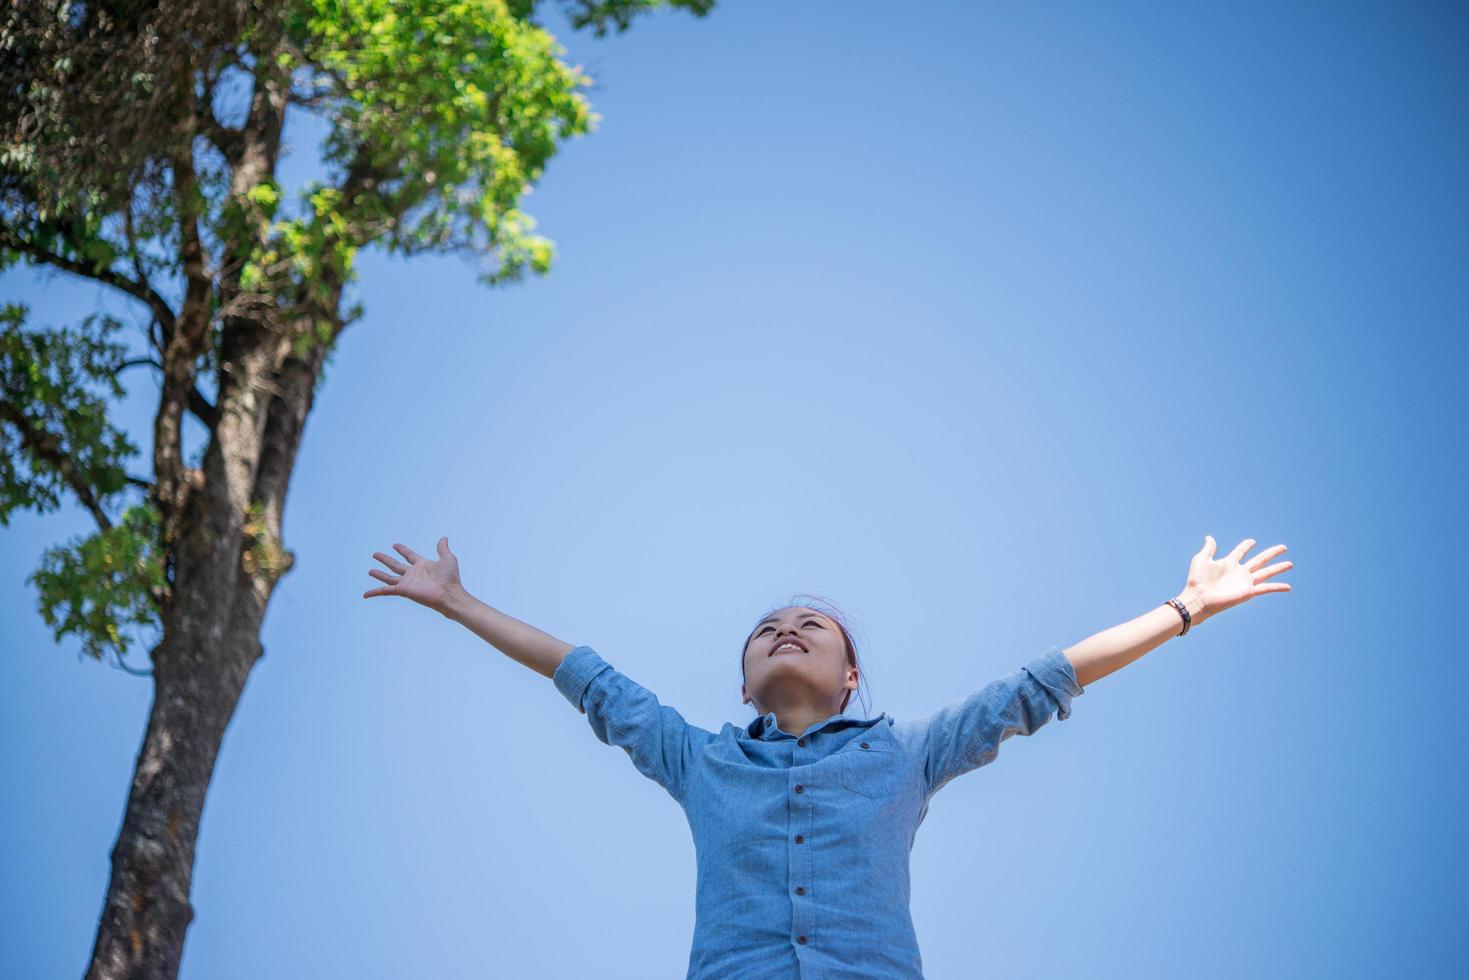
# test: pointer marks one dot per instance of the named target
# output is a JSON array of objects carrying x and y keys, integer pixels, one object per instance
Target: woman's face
[{"x": 796, "y": 656}]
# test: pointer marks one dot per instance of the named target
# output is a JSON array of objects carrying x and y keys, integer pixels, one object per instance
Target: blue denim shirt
[{"x": 802, "y": 840}]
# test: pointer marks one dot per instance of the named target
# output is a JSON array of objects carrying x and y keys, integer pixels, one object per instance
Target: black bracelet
[{"x": 1182, "y": 611}]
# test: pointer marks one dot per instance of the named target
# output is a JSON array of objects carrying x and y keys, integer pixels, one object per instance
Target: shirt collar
[{"x": 765, "y": 728}]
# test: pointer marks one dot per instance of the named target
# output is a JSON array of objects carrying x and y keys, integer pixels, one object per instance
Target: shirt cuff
[
  {"x": 575, "y": 674},
  {"x": 1052, "y": 670}
]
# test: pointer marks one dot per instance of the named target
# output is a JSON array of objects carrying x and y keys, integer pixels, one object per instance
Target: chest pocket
[{"x": 870, "y": 767}]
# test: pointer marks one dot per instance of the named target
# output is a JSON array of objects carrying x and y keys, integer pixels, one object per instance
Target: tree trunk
[
  {"x": 229, "y": 563},
  {"x": 147, "y": 910}
]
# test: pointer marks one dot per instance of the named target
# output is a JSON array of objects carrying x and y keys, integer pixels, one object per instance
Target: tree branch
[
  {"x": 138, "y": 290},
  {"x": 181, "y": 351},
  {"x": 137, "y": 256},
  {"x": 253, "y": 161},
  {"x": 201, "y": 408},
  {"x": 47, "y": 447},
  {"x": 261, "y": 135},
  {"x": 198, "y": 404},
  {"x": 229, "y": 142}
]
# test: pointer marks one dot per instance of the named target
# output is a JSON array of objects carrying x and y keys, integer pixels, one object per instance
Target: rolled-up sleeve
[
  {"x": 622, "y": 712},
  {"x": 965, "y": 735}
]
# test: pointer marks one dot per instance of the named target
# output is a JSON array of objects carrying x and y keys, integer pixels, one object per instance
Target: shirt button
[
  {"x": 800, "y": 839},
  {"x": 800, "y": 890},
  {"x": 801, "y": 742},
  {"x": 800, "y": 788},
  {"x": 866, "y": 746},
  {"x": 801, "y": 940}
]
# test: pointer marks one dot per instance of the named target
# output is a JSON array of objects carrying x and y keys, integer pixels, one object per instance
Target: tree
[{"x": 141, "y": 147}]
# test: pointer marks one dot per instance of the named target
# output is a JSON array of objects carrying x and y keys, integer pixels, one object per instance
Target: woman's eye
[{"x": 809, "y": 622}]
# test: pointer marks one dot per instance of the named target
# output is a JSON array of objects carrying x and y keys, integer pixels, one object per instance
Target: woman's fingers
[
  {"x": 1241, "y": 548},
  {"x": 1275, "y": 569},
  {"x": 400, "y": 570},
  {"x": 393, "y": 563},
  {"x": 381, "y": 576},
  {"x": 1254, "y": 563}
]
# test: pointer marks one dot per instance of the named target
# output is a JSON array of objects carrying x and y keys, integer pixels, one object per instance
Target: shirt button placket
[{"x": 802, "y": 868}]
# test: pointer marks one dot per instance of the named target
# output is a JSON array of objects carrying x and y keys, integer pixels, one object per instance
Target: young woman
[{"x": 803, "y": 819}]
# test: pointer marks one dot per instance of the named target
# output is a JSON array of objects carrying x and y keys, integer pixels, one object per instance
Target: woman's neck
[{"x": 795, "y": 719}]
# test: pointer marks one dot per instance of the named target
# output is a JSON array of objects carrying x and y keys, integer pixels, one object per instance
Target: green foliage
[
  {"x": 54, "y": 429},
  {"x": 263, "y": 553},
  {"x": 114, "y": 154},
  {"x": 95, "y": 587},
  {"x": 55, "y": 435},
  {"x": 598, "y": 14},
  {"x": 93, "y": 103},
  {"x": 450, "y": 111}
]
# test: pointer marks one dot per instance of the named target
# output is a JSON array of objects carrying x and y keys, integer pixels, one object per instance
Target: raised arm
[
  {"x": 621, "y": 712},
  {"x": 435, "y": 584},
  {"x": 1214, "y": 585},
  {"x": 962, "y": 736}
]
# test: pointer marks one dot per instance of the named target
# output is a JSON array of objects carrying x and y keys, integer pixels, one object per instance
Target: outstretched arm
[
  {"x": 621, "y": 711},
  {"x": 1213, "y": 586},
  {"x": 435, "y": 584}
]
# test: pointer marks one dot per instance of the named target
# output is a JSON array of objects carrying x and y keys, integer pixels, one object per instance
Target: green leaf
[
  {"x": 56, "y": 386},
  {"x": 95, "y": 587}
]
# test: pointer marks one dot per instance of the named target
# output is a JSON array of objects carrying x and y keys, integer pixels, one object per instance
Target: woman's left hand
[{"x": 1226, "y": 582}]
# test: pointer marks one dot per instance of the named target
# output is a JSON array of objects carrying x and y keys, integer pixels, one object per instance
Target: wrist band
[{"x": 1182, "y": 611}]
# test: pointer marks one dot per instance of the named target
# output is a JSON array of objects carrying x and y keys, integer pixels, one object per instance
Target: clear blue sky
[{"x": 975, "y": 318}]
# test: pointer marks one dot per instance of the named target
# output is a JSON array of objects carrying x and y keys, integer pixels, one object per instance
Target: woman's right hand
[{"x": 423, "y": 580}]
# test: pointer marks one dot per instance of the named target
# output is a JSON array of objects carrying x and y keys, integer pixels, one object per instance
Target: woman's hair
[{"x": 828, "y": 609}]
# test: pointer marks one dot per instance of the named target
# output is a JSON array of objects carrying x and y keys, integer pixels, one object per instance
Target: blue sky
[{"x": 975, "y": 318}]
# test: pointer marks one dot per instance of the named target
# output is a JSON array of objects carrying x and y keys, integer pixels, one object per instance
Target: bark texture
[{"x": 227, "y": 570}]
